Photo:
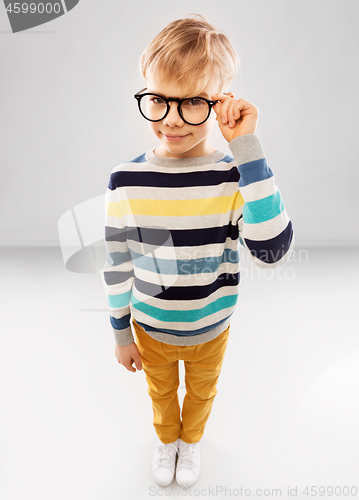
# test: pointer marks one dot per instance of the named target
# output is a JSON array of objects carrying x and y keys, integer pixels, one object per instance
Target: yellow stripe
[{"x": 176, "y": 208}]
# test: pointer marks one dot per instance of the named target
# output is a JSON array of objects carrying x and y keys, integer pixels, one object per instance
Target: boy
[{"x": 174, "y": 218}]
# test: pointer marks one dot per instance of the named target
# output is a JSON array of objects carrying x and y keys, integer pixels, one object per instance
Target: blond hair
[{"x": 191, "y": 52}]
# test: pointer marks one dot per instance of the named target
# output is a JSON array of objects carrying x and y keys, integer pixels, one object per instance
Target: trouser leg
[
  {"x": 161, "y": 369},
  {"x": 202, "y": 371},
  {"x": 165, "y": 403}
]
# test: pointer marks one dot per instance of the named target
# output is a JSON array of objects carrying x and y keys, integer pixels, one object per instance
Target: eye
[
  {"x": 195, "y": 101},
  {"x": 157, "y": 100}
]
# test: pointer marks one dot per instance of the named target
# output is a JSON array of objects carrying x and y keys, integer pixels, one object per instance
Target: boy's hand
[
  {"x": 235, "y": 116},
  {"x": 128, "y": 354}
]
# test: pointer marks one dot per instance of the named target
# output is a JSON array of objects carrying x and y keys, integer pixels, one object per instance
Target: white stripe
[
  {"x": 185, "y": 252},
  {"x": 186, "y": 279},
  {"x": 266, "y": 230},
  {"x": 258, "y": 190},
  {"x": 182, "y": 222},
  {"x": 120, "y": 288},
  {"x": 179, "y": 193}
]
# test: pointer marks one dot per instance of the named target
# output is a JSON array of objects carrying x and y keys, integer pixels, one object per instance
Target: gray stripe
[
  {"x": 184, "y": 162},
  {"x": 191, "y": 340},
  {"x": 247, "y": 147},
  {"x": 123, "y": 337}
]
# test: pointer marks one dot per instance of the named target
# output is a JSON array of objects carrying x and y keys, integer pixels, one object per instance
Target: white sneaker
[
  {"x": 189, "y": 463},
  {"x": 164, "y": 462}
]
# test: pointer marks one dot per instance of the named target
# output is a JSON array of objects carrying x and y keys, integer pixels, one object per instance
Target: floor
[{"x": 75, "y": 424}]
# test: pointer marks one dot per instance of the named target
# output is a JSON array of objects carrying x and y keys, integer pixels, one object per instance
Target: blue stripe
[
  {"x": 138, "y": 159},
  {"x": 117, "y": 258},
  {"x": 254, "y": 171},
  {"x": 120, "y": 324},
  {"x": 263, "y": 209},
  {"x": 227, "y": 159},
  {"x": 188, "y": 266}
]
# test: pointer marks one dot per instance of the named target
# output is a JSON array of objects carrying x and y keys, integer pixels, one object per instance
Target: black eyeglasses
[{"x": 192, "y": 110}]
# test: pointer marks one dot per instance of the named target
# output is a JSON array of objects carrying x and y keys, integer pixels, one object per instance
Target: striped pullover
[{"x": 173, "y": 227}]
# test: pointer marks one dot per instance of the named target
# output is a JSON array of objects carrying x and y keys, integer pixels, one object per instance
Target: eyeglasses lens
[{"x": 194, "y": 110}]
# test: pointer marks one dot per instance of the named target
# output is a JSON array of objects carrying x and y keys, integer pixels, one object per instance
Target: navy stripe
[
  {"x": 254, "y": 171},
  {"x": 187, "y": 292},
  {"x": 115, "y": 234},
  {"x": 116, "y": 277},
  {"x": 174, "y": 237},
  {"x": 183, "y": 237},
  {"x": 125, "y": 178},
  {"x": 272, "y": 250},
  {"x": 122, "y": 323},
  {"x": 187, "y": 333}
]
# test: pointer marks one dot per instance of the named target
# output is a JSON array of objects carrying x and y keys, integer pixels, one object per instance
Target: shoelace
[
  {"x": 185, "y": 457},
  {"x": 166, "y": 452}
]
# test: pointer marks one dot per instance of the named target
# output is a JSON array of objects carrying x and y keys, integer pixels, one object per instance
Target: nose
[{"x": 173, "y": 118}]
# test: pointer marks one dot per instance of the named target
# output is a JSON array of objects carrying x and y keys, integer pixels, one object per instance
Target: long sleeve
[
  {"x": 265, "y": 227},
  {"x": 118, "y": 274}
]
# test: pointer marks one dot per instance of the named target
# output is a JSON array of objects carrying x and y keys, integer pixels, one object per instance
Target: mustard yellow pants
[{"x": 203, "y": 365}]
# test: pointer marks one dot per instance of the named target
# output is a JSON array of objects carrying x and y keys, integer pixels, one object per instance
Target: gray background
[
  {"x": 74, "y": 423},
  {"x": 68, "y": 115}
]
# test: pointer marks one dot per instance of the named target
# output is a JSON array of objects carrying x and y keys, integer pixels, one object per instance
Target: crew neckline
[{"x": 163, "y": 161}]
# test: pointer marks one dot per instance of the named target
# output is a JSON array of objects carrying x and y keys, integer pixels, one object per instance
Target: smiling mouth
[{"x": 175, "y": 137}]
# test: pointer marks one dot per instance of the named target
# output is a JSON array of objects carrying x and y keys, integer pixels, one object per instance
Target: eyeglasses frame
[{"x": 139, "y": 96}]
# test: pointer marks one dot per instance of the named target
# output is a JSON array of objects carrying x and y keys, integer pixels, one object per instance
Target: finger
[
  {"x": 236, "y": 110},
  {"x": 216, "y": 107},
  {"x": 219, "y": 96},
  {"x": 221, "y": 99},
  {"x": 138, "y": 364},
  {"x": 225, "y": 100},
  {"x": 232, "y": 115},
  {"x": 245, "y": 107},
  {"x": 130, "y": 368}
]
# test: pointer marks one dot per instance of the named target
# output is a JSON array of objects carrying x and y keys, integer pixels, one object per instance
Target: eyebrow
[{"x": 202, "y": 94}]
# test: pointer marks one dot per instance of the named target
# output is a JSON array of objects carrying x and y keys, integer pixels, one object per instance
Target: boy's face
[{"x": 178, "y": 139}]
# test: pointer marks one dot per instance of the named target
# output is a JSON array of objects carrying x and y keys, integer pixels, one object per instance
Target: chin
[{"x": 176, "y": 148}]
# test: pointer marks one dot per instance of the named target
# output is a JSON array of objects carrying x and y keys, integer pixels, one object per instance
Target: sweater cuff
[
  {"x": 123, "y": 337},
  {"x": 246, "y": 148}
]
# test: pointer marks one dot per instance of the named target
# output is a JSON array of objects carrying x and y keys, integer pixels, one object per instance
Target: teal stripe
[
  {"x": 120, "y": 300},
  {"x": 264, "y": 209},
  {"x": 172, "y": 316}
]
